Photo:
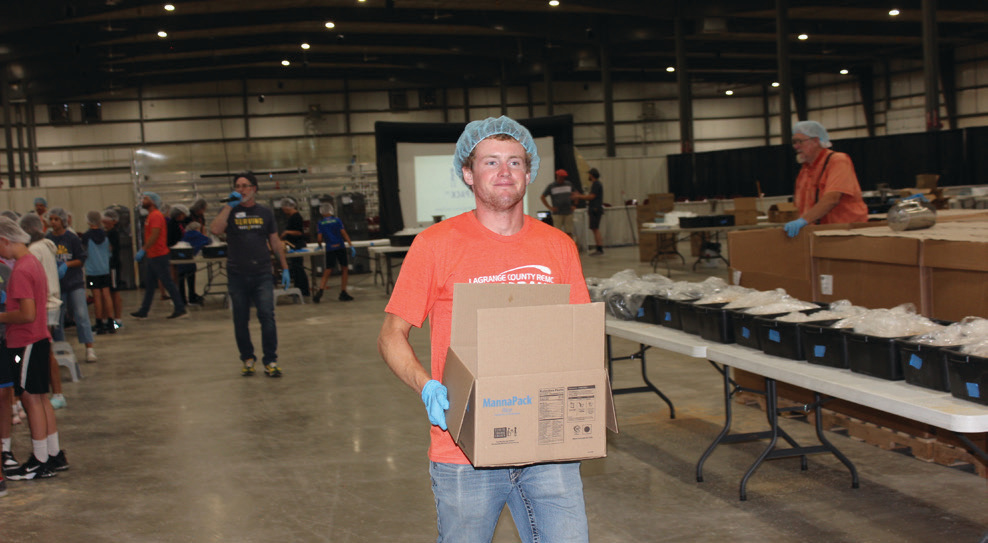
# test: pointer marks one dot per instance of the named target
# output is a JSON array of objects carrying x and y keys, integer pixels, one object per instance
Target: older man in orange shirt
[{"x": 827, "y": 189}]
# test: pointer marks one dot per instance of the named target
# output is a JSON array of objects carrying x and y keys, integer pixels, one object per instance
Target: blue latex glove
[
  {"x": 62, "y": 268},
  {"x": 793, "y": 227},
  {"x": 140, "y": 255},
  {"x": 236, "y": 197},
  {"x": 286, "y": 279},
  {"x": 353, "y": 252},
  {"x": 436, "y": 403}
]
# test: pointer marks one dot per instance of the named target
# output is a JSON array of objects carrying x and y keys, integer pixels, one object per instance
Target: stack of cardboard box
[
  {"x": 655, "y": 205},
  {"x": 745, "y": 211}
]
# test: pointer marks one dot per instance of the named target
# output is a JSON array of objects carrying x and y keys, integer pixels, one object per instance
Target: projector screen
[{"x": 428, "y": 186}]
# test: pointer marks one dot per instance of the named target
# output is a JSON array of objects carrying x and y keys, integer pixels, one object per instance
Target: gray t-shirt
[
  {"x": 248, "y": 230},
  {"x": 561, "y": 194}
]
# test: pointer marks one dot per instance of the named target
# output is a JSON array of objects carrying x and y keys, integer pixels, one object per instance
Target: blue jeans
[
  {"x": 255, "y": 289},
  {"x": 74, "y": 300},
  {"x": 159, "y": 268},
  {"x": 545, "y": 500}
]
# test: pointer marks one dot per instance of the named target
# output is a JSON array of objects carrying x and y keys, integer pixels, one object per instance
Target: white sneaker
[
  {"x": 90, "y": 354},
  {"x": 57, "y": 401}
]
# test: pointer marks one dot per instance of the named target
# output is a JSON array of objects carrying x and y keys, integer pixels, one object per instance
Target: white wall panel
[
  {"x": 88, "y": 134},
  {"x": 84, "y": 158},
  {"x": 733, "y": 128},
  {"x": 191, "y": 107}
]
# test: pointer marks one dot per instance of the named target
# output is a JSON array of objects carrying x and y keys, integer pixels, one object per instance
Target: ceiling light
[
  {"x": 554, "y": 3},
  {"x": 729, "y": 92},
  {"x": 775, "y": 83},
  {"x": 305, "y": 46},
  {"x": 671, "y": 69},
  {"x": 330, "y": 24},
  {"x": 169, "y": 7},
  {"x": 845, "y": 71},
  {"x": 162, "y": 34},
  {"x": 803, "y": 36},
  {"x": 285, "y": 63},
  {"x": 893, "y": 12}
]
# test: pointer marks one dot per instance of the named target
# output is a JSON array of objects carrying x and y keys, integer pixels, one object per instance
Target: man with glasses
[
  {"x": 827, "y": 189},
  {"x": 251, "y": 233}
]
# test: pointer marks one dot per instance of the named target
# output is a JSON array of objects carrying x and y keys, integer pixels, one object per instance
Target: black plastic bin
[
  {"x": 689, "y": 318},
  {"x": 714, "y": 322},
  {"x": 650, "y": 310},
  {"x": 823, "y": 345},
  {"x": 779, "y": 338},
  {"x": 746, "y": 327},
  {"x": 668, "y": 312},
  {"x": 924, "y": 365},
  {"x": 968, "y": 375},
  {"x": 875, "y": 356}
]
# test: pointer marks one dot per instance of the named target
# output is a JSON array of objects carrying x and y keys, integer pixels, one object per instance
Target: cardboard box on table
[
  {"x": 954, "y": 257},
  {"x": 745, "y": 211},
  {"x": 526, "y": 376},
  {"x": 872, "y": 271}
]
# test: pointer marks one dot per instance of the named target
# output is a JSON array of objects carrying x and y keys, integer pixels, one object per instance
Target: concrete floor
[{"x": 168, "y": 442}]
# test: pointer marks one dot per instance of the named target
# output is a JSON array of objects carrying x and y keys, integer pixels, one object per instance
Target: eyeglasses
[
  {"x": 242, "y": 186},
  {"x": 800, "y": 141}
]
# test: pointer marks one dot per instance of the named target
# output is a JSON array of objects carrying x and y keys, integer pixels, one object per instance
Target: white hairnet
[
  {"x": 326, "y": 209},
  {"x": 813, "y": 129},
  {"x": 477, "y": 131},
  {"x": 94, "y": 218},
  {"x": 287, "y": 202},
  {"x": 178, "y": 209},
  {"x": 10, "y": 231},
  {"x": 60, "y": 213}
]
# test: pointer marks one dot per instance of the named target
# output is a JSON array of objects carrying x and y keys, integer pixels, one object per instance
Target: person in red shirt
[
  {"x": 24, "y": 355},
  {"x": 827, "y": 189},
  {"x": 158, "y": 268},
  {"x": 496, "y": 242}
]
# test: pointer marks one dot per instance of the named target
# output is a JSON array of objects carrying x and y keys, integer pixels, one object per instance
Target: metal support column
[
  {"x": 866, "y": 86},
  {"x": 32, "y": 144},
  {"x": 8, "y": 132},
  {"x": 931, "y": 65},
  {"x": 503, "y": 88},
  {"x": 547, "y": 76},
  {"x": 785, "y": 73},
  {"x": 685, "y": 95},
  {"x": 608, "y": 85}
]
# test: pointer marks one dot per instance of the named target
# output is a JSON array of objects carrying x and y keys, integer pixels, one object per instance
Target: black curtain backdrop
[
  {"x": 388, "y": 135},
  {"x": 957, "y": 155}
]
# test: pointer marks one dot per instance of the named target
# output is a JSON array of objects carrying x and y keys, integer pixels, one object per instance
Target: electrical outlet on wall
[{"x": 827, "y": 285}]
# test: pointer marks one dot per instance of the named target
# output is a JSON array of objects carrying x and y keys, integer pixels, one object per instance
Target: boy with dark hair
[
  {"x": 333, "y": 234},
  {"x": 97, "y": 268}
]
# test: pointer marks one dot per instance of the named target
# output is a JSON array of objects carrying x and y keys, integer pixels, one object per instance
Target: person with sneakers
[
  {"x": 251, "y": 235},
  {"x": 98, "y": 272},
  {"x": 294, "y": 237},
  {"x": 24, "y": 357},
  {"x": 595, "y": 208},
  {"x": 497, "y": 159},
  {"x": 333, "y": 234},
  {"x": 197, "y": 240},
  {"x": 158, "y": 265},
  {"x": 110, "y": 220},
  {"x": 562, "y": 193},
  {"x": 69, "y": 250},
  {"x": 45, "y": 251}
]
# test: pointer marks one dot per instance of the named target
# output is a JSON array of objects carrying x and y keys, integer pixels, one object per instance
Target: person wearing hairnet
[
  {"x": 496, "y": 159},
  {"x": 827, "y": 189},
  {"x": 251, "y": 235},
  {"x": 71, "y": 252},
  {"x": 294, "y": 237},
  {"x": 158, "y": 260}
]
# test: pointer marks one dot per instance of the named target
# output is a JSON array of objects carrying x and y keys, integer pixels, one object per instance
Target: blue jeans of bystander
[{"x": 257, "y": 289}]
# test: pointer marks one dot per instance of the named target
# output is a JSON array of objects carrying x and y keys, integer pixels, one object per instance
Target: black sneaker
[
  {"x": 317, "y": 296},
  {"x": 248, "y": 369},
  {"x": 272, "y": 370},
  {"x": 9, "y": 462},
  {"x": 139, "y": 316},
  {"x": 344, "y": 297},
  {"x": 32, "y": 469},
  {"x": 177, "y": 315},
  {"x": 58, "y": 462}
]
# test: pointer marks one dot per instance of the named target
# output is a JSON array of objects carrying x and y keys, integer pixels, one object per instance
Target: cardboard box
[
  {"x": 927, "y": 180},
  {"x": 526, "y": 376},
  {"x": 646, "y": 214},
  {"x": 750, "y": 203},
  {"x": 783, "y": 212},
  {"x": 956, "y": 276},
  {"x": 867, "y": 270},
  {"x": 745, "y": 216},
  {"x": 662, "y": 201}
]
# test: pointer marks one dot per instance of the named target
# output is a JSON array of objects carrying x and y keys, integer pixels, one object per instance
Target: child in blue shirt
[
  {"x": 194, "y": 237},
  {"x": 333, "y": 234}
]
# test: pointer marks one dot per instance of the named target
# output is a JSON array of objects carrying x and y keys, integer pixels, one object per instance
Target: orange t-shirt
[
  {"x": 839, "y": 177},
  {"x": 160, "y": 247},
  {"x": 461, "y": 250}
]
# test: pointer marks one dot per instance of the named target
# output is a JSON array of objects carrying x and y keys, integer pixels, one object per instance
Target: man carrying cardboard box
[
  {"x": 497, "y": 159},
  {"x": 827, "y": 189}
]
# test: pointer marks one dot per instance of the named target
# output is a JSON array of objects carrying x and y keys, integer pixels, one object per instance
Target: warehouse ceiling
[{"x": 61, "y": 49}]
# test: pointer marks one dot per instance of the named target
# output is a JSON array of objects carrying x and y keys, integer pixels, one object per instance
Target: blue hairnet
[
  {"x": 154, "y": 198},
  {"x": 477, "y": 131},
  {"x": 813, "y": 129},
  {"x": 40, "y": 200}
]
